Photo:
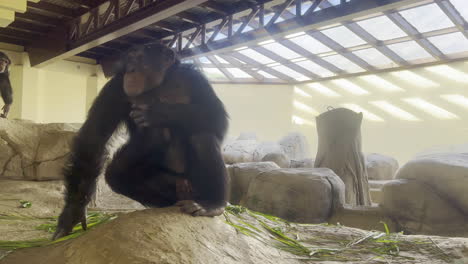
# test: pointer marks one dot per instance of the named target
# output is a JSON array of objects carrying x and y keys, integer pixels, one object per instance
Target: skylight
[
  {"x": 381, "y": 83},
  {"x": 204, "y": 60},
  {"x": 343, "y": 63},
  {"x": 254, "y": 55},
  {"x": 374, "y": 57},
  {"x": 267, "y": 75},
  {"x": 214, "y": 74},
  {"x": 315, "y": 68},
  {"x": 281, "y": 50},
  {"x": 462, "y": 7},
  {"x": 291, "y": 73},
  {"x": 410, "y": 50},
  {"x": 367, "y": 115},
  {"x": 343, "y": 36},
  {"x": 311, "y": 44},
  {"x": 238, "y": 73},
  {"x": 322, "y": 89},
  {"x": 350, "y": 87},
  {"x": 395, "y": 111},
  {"x": 221, "y": 60},
  {"x": 450, "y": 43},
  {"x": 431, "y": 109},
  {"x": 427, "y": 18},
  {"x": 382, "y": 28}
]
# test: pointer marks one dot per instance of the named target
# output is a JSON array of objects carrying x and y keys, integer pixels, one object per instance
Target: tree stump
[{"x": 339, "y": 149}]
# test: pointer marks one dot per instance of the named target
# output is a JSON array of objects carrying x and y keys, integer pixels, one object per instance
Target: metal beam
[
  {"x": 41, "y": 53},
  {"x": 327, "y": 16},
  {"x": 413, "y": 33},
  {"x": 453, "y": 14}
]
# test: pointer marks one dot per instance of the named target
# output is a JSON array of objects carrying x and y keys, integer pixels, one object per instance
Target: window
[
  {"x": 427, "y": 18},
  {"x": 293, "y": 74},
  {"x": 256, "y": 56},
  {"x": 343, "y": 63},
  {"x": 410, "y": 50},
  {"x": 311, "y": 44},
  {"x": 315, "y": 68},
  {"x": 450, "y": 43},
  {"x": 373, "y": 57},
  {"x": 382, "y": 28},
  {"x": 238, "y": 73},
  {"x": 343, "y": 36},
  {"x": 214, "y": 74},
  {"x": 281, "y": 50}
]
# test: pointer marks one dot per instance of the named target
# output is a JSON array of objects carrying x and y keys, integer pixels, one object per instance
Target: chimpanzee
[
  {"x": 176, "y": 125},
  {"x": 5, "y": 85}
]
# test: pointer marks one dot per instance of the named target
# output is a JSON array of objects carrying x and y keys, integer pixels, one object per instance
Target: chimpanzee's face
[
  {"x": 145, "y": 67},
  {"x": 4, "y": 63}
]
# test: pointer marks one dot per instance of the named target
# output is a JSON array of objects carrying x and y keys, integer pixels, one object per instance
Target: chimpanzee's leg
[{"x": 139, "y": 177}]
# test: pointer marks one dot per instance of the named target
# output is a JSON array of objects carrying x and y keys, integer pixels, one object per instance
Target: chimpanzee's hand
[
  {"x": 199, "y": 208},
  {"x": 139, "y": 114},
  {"x": 70, "y": 216}
]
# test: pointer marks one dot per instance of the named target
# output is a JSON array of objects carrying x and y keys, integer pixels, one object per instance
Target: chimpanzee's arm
[
  {"x": 108, "y": 110},
  {"x": 5, "y": 89}
]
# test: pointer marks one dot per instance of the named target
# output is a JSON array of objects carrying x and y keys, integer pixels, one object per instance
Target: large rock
[
  {"x": 169, "y": 237},
  {"x": 381, "y": 167},
  {"x": 266, "y": 148},
  {"x": 239, "y": 151},
  {"x": 241, "y": 174},
  {"x": 303, "y": 163},
  {"x": 295, "y": 146},
  {"x": 279, "y": 158},
  {"x": 298, "y": 195},
  {"x": 31, "y": 151},
  {"x": 419, "y": 209},
  {"x": 430, "y": 195},
  {"x": 446, "y": 173}
]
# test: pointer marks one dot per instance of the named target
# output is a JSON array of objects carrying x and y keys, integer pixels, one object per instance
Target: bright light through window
[
  {"x": 410, "y": 50},
  {"x": 221, "y": 60},
  {"x": 310, "y": 44},
  {"x": 395, "y": 111},
  {"x": 343, "y": 63},
  {"x": 381, "y": 83},
  {"x": 367, "y": 115},
  {"x": 350, "y": 87},
  {"x": 214, "y": 74},
  {"x": 315, "y": 68},
  {"x": 305, "y": 108},
  {"x": 322, "y": 89},
  {"x": 382, "y": 28},
  {"x": 457, "y": 99},
  {"x": 281, "y": 50},
  {"x": 267, "y": 75},
  {"x": 462, "y": 7},
  {"x": 449, "y": 73},
  {"x": 450, "y": 43},
  {"x": 427, "y": 18},
  {"x": 293, "y": 74},
  {"x": 256, "y": 56},
  {"x": 415, "y": 79},
  {"x": 374, "y": 57},
  {"x": 431, "y": 109},
  {"x": 238, "y": 73},
  {"x": 301, "y": 92},
  {"x": 301, "y": 121},
  {"x": 343, "y": 36}
]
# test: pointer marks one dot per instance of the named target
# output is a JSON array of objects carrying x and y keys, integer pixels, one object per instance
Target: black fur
[
  {"x": 5, "y": 85},
  {"x": 137, "y": 170}
]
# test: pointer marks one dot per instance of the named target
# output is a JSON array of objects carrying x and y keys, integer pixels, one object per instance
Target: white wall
[
  {"x": 395, "y": 137},
  {"x": 263, "y": 109}
]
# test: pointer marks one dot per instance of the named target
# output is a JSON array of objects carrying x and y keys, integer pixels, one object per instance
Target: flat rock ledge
[{"x": 155, "y": 236}]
